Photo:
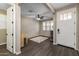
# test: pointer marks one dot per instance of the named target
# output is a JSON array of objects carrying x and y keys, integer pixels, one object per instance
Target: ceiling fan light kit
[{"x": 38, "y": 18}]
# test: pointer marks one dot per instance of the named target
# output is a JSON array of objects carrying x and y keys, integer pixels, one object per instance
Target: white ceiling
[
  {"x": 31, "y": 9},
  {"x": 34, "y": 8},
  {"x": 59, "y": 5},
  {"x": 37, "y": 8}
]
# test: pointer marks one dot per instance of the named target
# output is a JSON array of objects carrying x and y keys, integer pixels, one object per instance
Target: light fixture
[{"x": 38, "y": 18}]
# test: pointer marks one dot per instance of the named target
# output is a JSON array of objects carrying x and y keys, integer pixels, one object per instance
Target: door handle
[
  {"x": 6, "y": 34},
  {"x": 58, "y": 30},
  {"x": 12, "y": 34}
]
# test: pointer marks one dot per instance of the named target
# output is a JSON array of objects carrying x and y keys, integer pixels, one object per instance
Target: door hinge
[
  {"x": 12, "y": 9},
  {"x": 74, "y": 22},
  {"x": 12, "y": 46},
  {"x": 12, "y": 22},
  {"x": 74, "y": 44}
]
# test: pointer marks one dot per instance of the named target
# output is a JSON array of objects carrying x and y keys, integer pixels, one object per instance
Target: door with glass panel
[{"x": 66, "y": 27}]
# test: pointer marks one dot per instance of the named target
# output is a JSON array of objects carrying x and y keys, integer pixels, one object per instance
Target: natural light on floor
[{"x": 39, "y": 39}]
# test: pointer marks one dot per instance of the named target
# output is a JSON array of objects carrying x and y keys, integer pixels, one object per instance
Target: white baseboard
[
  {"x": 17, "y": 53},
  {"x": 54, "y": 43},
  {"x": 2, "y": 43},
  {"x": 76, "y": 49}
]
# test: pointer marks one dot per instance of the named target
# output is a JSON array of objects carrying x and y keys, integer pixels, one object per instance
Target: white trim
[
  {"x": 75, "y": 11},
  {"x": 76, "y": 49},
  {"x": 54, "y": 43},
  {"x": 50, "y": 7},
  {"x": 17, "y": 53},
  {"x": 14, "y": 40},
  {"x": 54, "y": 30},
  {"x": 2, "y": 43}
]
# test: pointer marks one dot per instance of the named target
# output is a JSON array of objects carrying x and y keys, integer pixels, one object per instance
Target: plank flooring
[
  {"x": 4, "y": 51},
  {"x": 46, "y": 48}
]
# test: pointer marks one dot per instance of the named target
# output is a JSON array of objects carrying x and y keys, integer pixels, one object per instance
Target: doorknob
[{"x": 58, "y": 30}]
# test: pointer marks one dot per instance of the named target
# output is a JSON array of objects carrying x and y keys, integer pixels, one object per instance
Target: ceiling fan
[{"x": 39, "y": 17}]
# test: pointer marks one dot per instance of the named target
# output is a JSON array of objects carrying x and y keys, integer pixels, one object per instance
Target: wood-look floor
[
  {"x": 4, "y": 51},
  {"x": 45, "y": 48}
]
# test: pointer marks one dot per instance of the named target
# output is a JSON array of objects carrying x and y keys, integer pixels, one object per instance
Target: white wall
[
  {"x": 2, "y": 27},
  {"x": 30, "y": 27}
]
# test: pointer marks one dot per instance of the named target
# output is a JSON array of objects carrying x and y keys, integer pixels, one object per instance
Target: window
[
  {"x": 61, "y": 16},
  {"x": 47, "y": 25},
  {"x": 51, "y": 25},
  {"x": 66, "y": 16},
  {"x": 43, "y": 25},
  {"x": 70, "y": 15}
]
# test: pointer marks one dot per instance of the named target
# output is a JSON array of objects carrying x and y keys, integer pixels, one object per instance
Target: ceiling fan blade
[{"x": 41, "y": 17}]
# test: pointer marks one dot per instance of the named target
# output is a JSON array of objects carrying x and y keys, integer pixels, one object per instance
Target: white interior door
[
  {"x": 9, "y": 30},
  {"x": 66, "y": 27}
]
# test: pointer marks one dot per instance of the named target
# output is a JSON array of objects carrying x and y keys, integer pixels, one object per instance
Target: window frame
[{"x": 47, "y": 27}]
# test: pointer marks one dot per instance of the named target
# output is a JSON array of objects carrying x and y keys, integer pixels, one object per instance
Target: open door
[
  {"x": 66, "y": 27},
  {"x": 10, "y": 29},
  {"x": 13, "y": 29}
]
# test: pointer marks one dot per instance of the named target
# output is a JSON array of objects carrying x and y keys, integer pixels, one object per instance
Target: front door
[{"x": 66, "y": 27}]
